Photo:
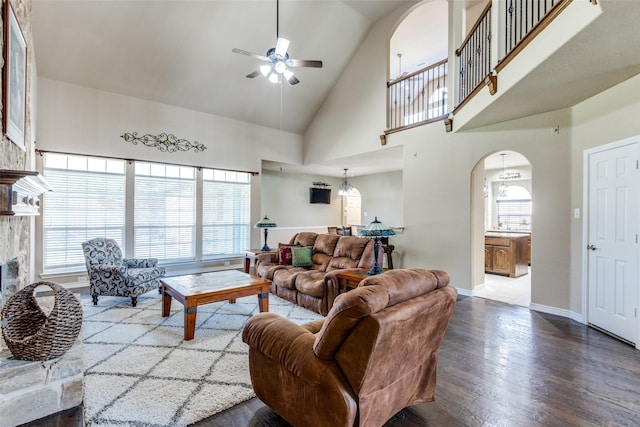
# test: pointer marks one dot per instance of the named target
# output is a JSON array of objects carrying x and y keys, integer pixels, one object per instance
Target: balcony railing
[
  {"x": 523, "y": 20},
  {"x": 421, "y": 97},
  {"x": 521, "y": 16},
  {"x": 418, "y": 98},
  {"x": 474, "y": 56}
]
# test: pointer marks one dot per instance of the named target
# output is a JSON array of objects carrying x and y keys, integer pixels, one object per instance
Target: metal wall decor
[{"x": 164, "y": 142}]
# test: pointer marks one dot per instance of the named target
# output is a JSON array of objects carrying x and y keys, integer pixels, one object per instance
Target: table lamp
[
  {"x": 265, "y": 223},
  {"x": 376, "y": 230}
]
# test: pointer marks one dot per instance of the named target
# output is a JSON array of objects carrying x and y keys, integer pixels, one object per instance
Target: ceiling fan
[{"x": 276, "y": 62}]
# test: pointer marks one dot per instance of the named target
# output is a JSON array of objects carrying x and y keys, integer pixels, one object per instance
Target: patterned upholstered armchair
[{"x": 110, "y": 274}]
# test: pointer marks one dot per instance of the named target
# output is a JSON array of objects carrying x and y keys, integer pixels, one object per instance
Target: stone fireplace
[
  {"x": 9, "y": 280},
  {"x": 30, "y": 390}
]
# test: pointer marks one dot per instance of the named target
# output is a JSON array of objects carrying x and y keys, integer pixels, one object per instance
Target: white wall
[
  {"x": 80, "y": 120},
  {"x": 381, "y": 196},
  {"x": 607, "y": 117},
  {"x": 437, "y": 196},
  {"x": 286, "y": 201},
  {"x": 350, "y": 120},
  {"x": 441, "y": 228}
]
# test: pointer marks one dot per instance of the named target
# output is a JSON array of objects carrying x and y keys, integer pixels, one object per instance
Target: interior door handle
[{"x": 591, "y": 247}]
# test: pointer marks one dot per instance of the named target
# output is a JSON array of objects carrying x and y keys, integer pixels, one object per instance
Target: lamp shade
[
  {"x": 265, "y": 223},
  {"x": 377, "y": 229}
]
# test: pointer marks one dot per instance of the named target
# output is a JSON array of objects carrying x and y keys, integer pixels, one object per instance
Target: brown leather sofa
[
  {"x": 373, "y": 355},
  {"x": 315, "y": 287}
]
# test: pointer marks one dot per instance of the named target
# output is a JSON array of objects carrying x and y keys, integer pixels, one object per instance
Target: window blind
[
  {"x": 226, "y": 215},
  {"x": 88, "y": 201},
  {"x": 514, "y": 214},
  {"x": 164, "y": 212}
]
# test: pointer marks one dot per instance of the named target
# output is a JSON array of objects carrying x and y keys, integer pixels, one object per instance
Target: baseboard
[
  {"x": 557, "y": 311},
  {"x": 465, "y": 292},
  {"x": 538, "y": 307}
]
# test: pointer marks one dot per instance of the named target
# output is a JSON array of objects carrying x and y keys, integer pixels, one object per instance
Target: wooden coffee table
[{"x": 196, "y": 289}]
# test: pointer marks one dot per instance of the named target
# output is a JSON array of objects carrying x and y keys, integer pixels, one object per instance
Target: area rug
[{"x": 141, "y": 372}]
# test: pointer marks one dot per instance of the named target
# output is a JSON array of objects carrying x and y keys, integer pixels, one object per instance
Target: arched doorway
[
  {"x": 351, "y": 208},
  {"x": 504, "y": 233}
]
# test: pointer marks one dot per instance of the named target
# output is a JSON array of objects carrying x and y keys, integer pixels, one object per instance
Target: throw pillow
[
  {"x": 302, "y": 256},
  {"x": 284, "y": 255}
]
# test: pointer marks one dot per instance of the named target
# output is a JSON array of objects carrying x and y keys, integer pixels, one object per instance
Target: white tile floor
[{"x": 500, "y": 288}]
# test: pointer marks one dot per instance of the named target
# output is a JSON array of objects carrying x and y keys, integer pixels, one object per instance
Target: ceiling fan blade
[
  {"x": 282, "y": 45},
  {"x": 304, "y": 63},
  {"x": 251, "y": 54},
  {"x": 293, "y": 80},
  {"x": 253, "y": 74}
]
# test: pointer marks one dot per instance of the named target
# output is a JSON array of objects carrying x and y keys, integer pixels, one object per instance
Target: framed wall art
[{"x": 14, "y": 79}]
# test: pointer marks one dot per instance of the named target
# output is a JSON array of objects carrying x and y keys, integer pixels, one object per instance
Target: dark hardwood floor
[{"x": 504, "y": 365}]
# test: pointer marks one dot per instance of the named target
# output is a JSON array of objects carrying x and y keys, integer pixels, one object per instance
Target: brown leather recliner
[{"x": 373, "y": 355}]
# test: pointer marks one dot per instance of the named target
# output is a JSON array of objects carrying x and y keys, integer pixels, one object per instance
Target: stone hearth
[{"x": 33, "y": 390}]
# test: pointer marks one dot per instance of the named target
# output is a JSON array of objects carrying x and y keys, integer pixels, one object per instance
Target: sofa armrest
[
  {"x": 266, "y": 258},
  {"x": 286, "y": 343},
  {"x": 140, "y": 262}
]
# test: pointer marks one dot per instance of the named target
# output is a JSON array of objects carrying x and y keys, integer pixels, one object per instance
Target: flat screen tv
[{"x": 320, "y": 195}]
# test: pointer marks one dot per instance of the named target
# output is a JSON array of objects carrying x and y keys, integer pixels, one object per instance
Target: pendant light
[
  {"x": 502, "y": 189},
  {"x": 345, "y": 188}
]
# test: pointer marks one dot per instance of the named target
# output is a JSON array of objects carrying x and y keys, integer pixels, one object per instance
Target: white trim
[
  {"x": 465, "y": 292},
  {"x": 551, "y": 310}
]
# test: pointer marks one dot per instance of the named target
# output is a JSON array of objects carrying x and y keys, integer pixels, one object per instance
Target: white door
[
  {"x": 353, "y": 209},
  {"x": 614, "y": 215}
]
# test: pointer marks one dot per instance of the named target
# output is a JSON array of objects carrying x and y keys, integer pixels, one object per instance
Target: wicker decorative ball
[{"x": 30, "y": 333}]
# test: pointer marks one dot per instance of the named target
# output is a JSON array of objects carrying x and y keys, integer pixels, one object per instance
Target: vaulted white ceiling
[{"x": 179, "y": 52}]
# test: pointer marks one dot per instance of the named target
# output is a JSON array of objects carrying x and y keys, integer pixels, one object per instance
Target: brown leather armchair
[{"x": 373, "y": 355}]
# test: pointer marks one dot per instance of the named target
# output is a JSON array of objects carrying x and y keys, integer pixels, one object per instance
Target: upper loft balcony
[
  {"x": 518, "y": 58},
  {"x": 579, "y": 49}
]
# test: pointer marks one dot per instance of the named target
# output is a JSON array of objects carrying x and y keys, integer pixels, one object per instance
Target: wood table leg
[
  {"x": 247, "y": 264},
  {"x": 263, "y": 302},
  {"x": 166, "y": 304},
  {"x": 232, "y": 301},
  {"x": 190, "y": 322}
]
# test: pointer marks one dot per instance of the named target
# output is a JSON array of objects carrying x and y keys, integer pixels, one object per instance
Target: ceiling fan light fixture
[
  {"x": 277, "y": 60},
  {"x": 280, "y": 67},
  {"x": 265, "y": 69}
]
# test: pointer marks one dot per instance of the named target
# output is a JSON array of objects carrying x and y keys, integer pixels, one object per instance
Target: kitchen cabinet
[{"x": 506, "y": 254}]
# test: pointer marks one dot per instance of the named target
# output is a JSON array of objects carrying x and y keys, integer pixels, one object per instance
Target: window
[
  {"x": 514, "y": 210},
  {"x": 159, "y": 217},
  {"x": 225, "y": 216},
  {"x": 88, "y": 201},
  {"x": 164, "y": 220}
]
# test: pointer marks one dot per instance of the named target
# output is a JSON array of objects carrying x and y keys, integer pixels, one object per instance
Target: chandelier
[
  {"x": 345, "y": 188},
  {"x": 502, "y": 189}
]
